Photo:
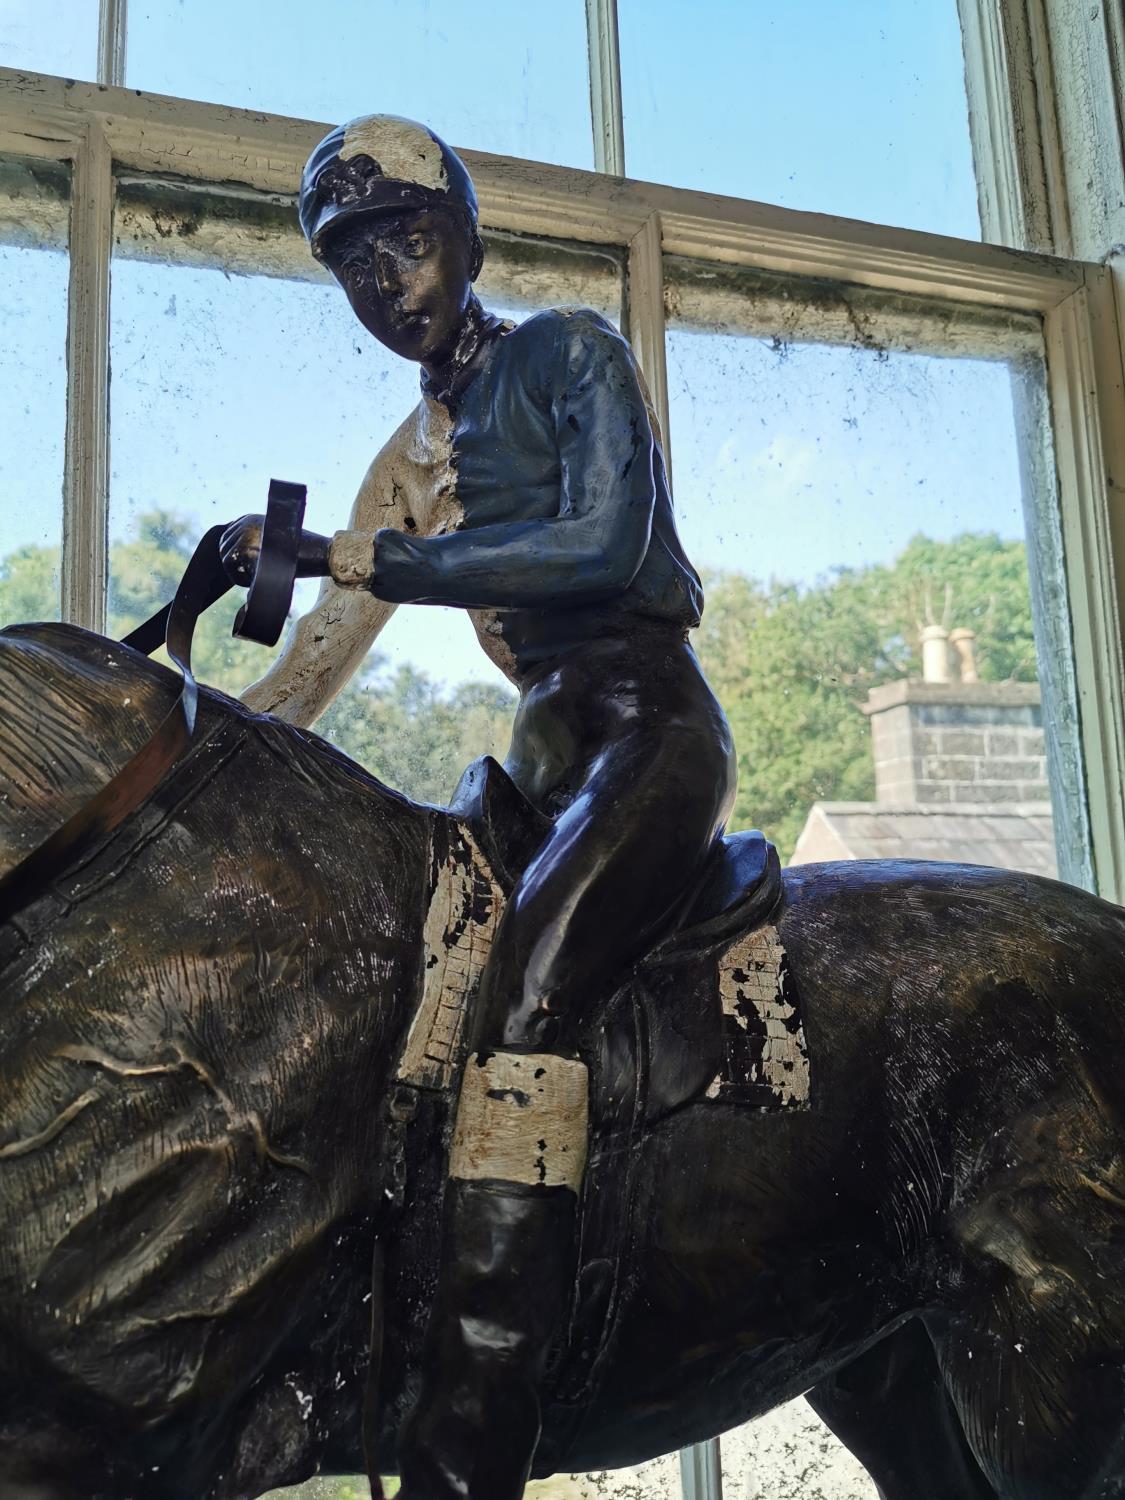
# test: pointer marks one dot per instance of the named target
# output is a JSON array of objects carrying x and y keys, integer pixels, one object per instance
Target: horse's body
[{"x": 201, "y": 1141}]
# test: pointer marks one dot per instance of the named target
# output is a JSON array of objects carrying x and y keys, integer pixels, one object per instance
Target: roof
[{"x": 1012, "y": 836}]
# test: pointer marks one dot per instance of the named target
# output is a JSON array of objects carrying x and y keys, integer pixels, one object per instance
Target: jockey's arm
[
  {"x": 592, "y": 548},
  {"x": 325, "y": 646}
]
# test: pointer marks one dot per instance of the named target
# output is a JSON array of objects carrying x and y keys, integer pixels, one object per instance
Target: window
[
  {"x": 35, "y": 269},
  {"x": 830, "y": 389},
  {"x": 869, "y": 464},
  {"x": 843, "y": 109}
]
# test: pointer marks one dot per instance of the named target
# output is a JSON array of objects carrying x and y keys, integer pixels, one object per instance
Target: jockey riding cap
[{"x": 380, "y": 164}]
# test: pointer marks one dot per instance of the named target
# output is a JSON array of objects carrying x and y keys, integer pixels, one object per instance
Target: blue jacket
[{"x": 566, "y": 532}]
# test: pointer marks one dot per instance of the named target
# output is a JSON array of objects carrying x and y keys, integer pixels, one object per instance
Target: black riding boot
[{"x": 507, "y": 1270}]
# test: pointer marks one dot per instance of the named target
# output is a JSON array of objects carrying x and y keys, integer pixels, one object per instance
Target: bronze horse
[{"x": 218, "y": 1203}]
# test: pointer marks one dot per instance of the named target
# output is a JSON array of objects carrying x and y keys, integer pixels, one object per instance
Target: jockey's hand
[
  {"x": 241, "y": 544},
  {"x": 239, "y": 548}
]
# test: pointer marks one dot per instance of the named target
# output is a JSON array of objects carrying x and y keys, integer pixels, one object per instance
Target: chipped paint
[
  {"x": 465, "y": 906},
  {"x": 404, "y": 152},
  {"x": 522, "y": 1117},
  {"x": 411, "y": 485},
  {"x": 767, "y": 1060},
  {"x": 416, "y": 468},
  {"x": 486, "y": 623}
]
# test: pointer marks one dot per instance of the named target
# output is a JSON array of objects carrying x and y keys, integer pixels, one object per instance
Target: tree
[
  {"x": 406, "y": 729},
  {"x": 790, "y": 665}
]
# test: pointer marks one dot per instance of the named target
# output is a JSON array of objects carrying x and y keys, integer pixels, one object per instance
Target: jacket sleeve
[{"x": 591, "y": 549}]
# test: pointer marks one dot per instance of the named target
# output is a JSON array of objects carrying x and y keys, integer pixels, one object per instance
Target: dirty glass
[
  {"x": 658, "y": 1480},
  {"x": 857, "y": 110},
  {"x": 50, "y": 36},
  {"x": 34, "y": 268},
  {"x": 853, "y": 476},
  {"x": 505, "y": 77},
  {"x": 236, "y": 359}
]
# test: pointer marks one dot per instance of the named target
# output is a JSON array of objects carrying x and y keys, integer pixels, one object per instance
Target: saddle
[
  {"x": 708, "y": 1018},
  {"x": 739, "y": 887}
]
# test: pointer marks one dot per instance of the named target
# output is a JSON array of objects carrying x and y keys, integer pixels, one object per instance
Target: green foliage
[
  {"x": 791, "y": 666},
  {"x": 29, "y": 584},
  {"x": 406, "y": 729}
]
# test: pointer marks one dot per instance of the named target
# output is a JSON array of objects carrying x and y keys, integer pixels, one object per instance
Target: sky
[{"x": 788, "y": 461}]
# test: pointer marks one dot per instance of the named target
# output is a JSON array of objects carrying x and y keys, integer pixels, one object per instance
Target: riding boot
[{"x": 504, "y": 1283}]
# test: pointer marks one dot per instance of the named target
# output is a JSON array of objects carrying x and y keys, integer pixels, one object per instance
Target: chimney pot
[
  {"x": 935, "y": 653},
  {"x": 963, "y": 642}
]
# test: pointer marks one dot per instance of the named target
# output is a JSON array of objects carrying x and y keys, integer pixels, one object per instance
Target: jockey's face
[{"x": 409, "y": 279}]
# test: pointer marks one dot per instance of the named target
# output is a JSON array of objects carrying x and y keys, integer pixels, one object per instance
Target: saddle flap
[{"x": 503, "y": 822}]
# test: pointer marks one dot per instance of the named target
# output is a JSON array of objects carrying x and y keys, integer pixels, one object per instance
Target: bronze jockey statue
[{"x": 528, "y": 488}]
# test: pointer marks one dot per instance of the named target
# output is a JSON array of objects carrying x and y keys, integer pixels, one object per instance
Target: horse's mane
[{"x": 74, "y": 706}]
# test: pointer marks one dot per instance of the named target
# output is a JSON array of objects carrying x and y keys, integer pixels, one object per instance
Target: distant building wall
[{"x": 964, "y": 743}]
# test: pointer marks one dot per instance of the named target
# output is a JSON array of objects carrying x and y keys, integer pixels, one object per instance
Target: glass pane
[
  {"x": 504, "y": 77},
  {"x": 50, "y": 36},
  {"x": 34, "y": 267},
  {"x": 856, "y": 109},
  {"x": 223, "y": 378},
  {"x": 791, "y": 1452},
  {"x": 854, "y": 477},
  {"x": 657, "y": 1480}
]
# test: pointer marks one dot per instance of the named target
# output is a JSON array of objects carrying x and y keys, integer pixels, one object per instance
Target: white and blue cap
[{"x": 380, "y": 164}]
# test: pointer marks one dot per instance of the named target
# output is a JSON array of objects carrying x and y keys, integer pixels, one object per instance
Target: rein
[{"x": 203, "y": 583}]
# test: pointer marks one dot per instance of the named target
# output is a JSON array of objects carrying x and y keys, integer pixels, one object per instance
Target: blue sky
[{"x": 786, "y": 463}]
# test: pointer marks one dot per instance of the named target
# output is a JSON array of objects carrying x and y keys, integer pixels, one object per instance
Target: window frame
[
  {"x": 1019, "y": 152},
  {"x": 99, "y": 129}
]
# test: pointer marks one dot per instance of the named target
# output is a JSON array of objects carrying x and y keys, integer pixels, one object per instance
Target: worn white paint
[
  {"x": 1087, "y": 400},
  {"x": 752, "y": 974},
  {"x": 410, "y": 486},
  {"x": 455, "y": 949},
  {"x": 351, "y": 558},
  {"x": 113, "y": 33},
  {"x": 522, "y": 1117},
  {"x": 403, "y": 150}
]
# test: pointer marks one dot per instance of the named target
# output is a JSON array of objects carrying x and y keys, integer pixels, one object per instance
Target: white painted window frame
[{"x": 96, "y": 127}]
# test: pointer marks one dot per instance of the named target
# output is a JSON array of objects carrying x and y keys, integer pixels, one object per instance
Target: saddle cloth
[{"x": 724, "y": 1027}]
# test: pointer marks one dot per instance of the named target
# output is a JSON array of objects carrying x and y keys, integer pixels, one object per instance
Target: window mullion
[
  {"x": 87, "y": 383},
  {"x": 645, "y": 306},
  {"x": 1014, "y": 126},
  {"x": 701, "y": 1471},
  {"x": 112, "y": 16},
  {"x": 605, "y": 87},
  {"x": 1085, "y": 373}
]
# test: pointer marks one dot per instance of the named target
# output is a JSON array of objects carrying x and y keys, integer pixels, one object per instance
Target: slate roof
[{"x": 1015, "y": 836}]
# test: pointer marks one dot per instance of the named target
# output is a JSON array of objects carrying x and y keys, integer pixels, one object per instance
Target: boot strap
[{"x": 522, "y": 1117}]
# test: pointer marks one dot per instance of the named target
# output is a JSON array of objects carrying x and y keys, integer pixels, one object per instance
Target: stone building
[{"x": 960, "y": 774}]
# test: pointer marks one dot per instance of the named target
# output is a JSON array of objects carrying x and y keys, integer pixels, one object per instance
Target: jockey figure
[{"x": 528, "y": 488}]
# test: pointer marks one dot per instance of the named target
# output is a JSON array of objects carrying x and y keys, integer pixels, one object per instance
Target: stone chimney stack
[{"x": 967, "y": 742}]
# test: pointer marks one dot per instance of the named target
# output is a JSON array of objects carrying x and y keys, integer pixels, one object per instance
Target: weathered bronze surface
[{"x": 203, "y": 1136}]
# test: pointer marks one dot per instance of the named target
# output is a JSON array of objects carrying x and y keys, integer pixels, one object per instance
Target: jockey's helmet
[{"x": 380, "y": 164}]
